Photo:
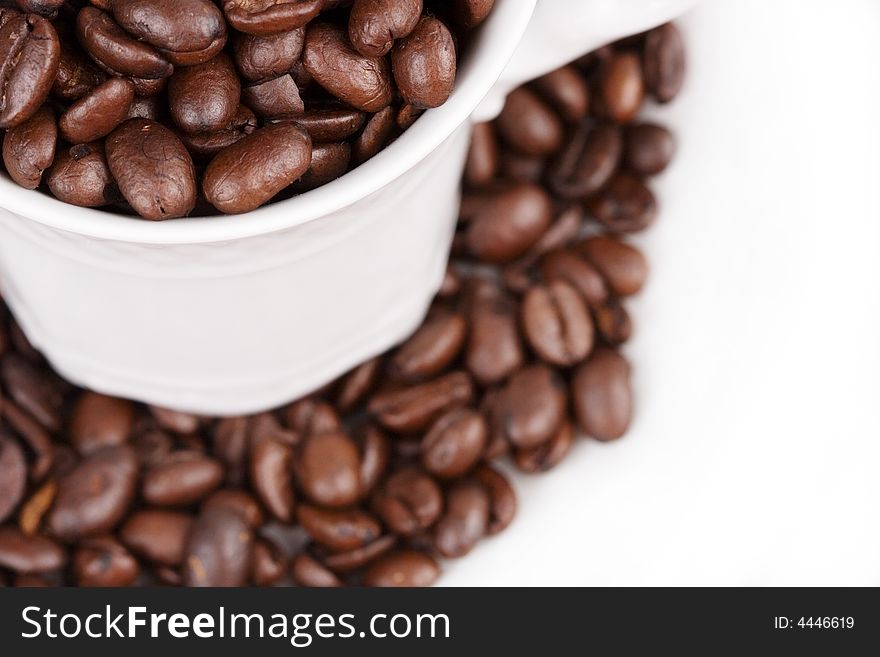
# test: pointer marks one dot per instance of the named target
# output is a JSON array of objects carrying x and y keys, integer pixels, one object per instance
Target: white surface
[{"x": 755, "y": 456}]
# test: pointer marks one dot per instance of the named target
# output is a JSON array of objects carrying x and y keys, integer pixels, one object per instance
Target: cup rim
[{"x": 498, "y": 39}]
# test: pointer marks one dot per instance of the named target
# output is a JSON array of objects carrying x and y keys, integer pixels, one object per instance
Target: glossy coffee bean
[
  {"x": 93, "y": 498},
  {"x": 308, "y": 571},
  {"x": 29, "y": 148},
  {"x": 626, "y": 205},
  {"x": 251, "y": 171},
  {"x": 77, "y": 75},
  {"x": 613, "y": 322},
  {"x": 530, "y": 408},
  {"x": 502, "y": 498},
  {"x": 470, "y": 13},
  {"x": 623, "y": 89},
  {"x": 329, "y": 162},
  {"x": 557, "y": 324},
  {"x": 465, "y": 521},
  {"x": 81, "y": 176},
  {"x": 205, "y": 97},
  {"x": 409, "y": 502},
  {"x": 494, "y": 349},
  {"x": 269, "y": 563},
  {"x": 349, "y": 562},
  {"x": 182, "y": 479},
  {"x": 329, "y": 470},
  {"x": 547, "y": 456},
  {"x": 267, "y": 17},
  {"x": 219, "y": 551},
  {"x": 48, "y": 8},
  {"x": 413, "y": 408},
  {"x": 115, "y": 49},
  {"x": 98, "y": 421},
  {"x": 239, "y": 501},
  {"x": 602, "y": 395},
  {"x": 34, "y": 437},
  {"x": 29, "y": 57},
  {"x": 529, "y": 125},
  {"x": 509, "y": 224},
  {"x": 424, "y": 64},
  {"x": 331, "y": 123},
  {"x": 261, "y": 58},
  {"x": 98, "y": 113},
  {"x": 208, "y": 144},
  {"x": 157, "y": 535},
  {"x": 274, "y": 98},
  {"x": 623, "y": 266},
  {"x": 33, "y": 389},
  {"x": 29, "y": 554},
  {"x": 311, "y": 416},
  {"x": 566, "y": 90},
  {"x": 375, "y": 135},
  {"x": 483, "y": 157},
  {"x": 649, "y": 148},
  {"x": 103, "y": 562},
  {"x": 409, "y": 568},
  {"x": 431, "y": 349},
  {"x": 373, "y": 25},
  {"x": 375, "y": 456},
  {"x": 339, "y": 530},
  {"x": 664, "y": 62},
  {"x": 455, "y": 443},
  {"x": 13, "y": 476},
  {"x": 587, "y": 162},
  {"x": 271, "y": 464}
]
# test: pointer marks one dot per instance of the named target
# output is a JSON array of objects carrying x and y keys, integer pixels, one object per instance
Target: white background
[{"x": 755, "y": 456}]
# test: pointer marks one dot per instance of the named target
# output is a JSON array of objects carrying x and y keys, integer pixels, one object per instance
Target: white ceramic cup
[{"x": 230, "y": 315}]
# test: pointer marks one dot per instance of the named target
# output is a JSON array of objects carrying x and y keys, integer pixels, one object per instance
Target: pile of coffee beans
[
  {"x": 378, "y": 476},
  {"x": 168, "y": 108}
]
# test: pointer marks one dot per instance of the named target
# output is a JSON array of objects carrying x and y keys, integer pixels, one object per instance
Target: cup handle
[{"x": 563, "y": 30}]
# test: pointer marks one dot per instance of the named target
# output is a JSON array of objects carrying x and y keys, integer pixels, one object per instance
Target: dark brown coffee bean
[
  {"x": 183, "y": 479},
  {"x": 409, "y": 502},
  {"x": 149, "y": 88},
  {"x": 175, "y": 421},
  {"x": 329, "y": 470},
  {"x": 308, "y": 571},
  {"x": 329, "y": 162},
  {"x": 230, "y": 445},
  {"x": 613, "y": 322},
  {"x": 664, "y": 62},
  {"x": 567, "y": 91},
  {"x": 347, "y": 562},
  {"x": 431, "y": 349},
  {"x": 265, "y": 58},
  {"x": 339, "y": 530},
  {"x": 271, "y": 464},
  {"x": 413, "y": 408},
  {"x": 158, "y": 536},
  {"x": 34, "y": 436},
  {"x": 409, "y": 568},
  {"x": 623, "y": 90},
  {"x": 311, "y": 416},
  {"x": 528, "y": 125},
  {"x": 205, "y": 97},
  {"x": 48, "y": 8},
  {"x": 494, "y": 349},
  {"x": 93, "y": 498},
  {"x": 251, "y": 171},
  {"x": 29, "y": 56},
  {"x": 29, "y": 554},
  {"x": 373, "y": 25},
  {"x": 331, "y": 123},
  {"x": 33, "y": 389},
  {"x": 147, "y": 107},
  {"x": 208, "y": 145},
  {"x": 153, "y": 169},
  {"x": 29, "y": 148},
  {"x": 649, "y": 148},
  {"x": 98, "y": 421},
  {"x": 623, "y": 266},
  {"x": 455, "y": 443},
  {"x": 375, "y": 136},
  {"x": 567, "y": 265},
  {"x": 13, "y": 476},
  {"x": 239, "y": 501},
  {"x": 547, "y": 456},
  {"x": 602, "y": 395},
  {"x": 81, "y": 176},
  {"x": 483, "y": 157},
  {"x": 530, "y": 408},
  {"x": 557, "y": 324},
  {"x": 625, "y": 205},
  {"x": 275, "y": 98},
  {"x": 424, "y": 64},
  {"x": 470, "y": 13},
  {"x": 109, "y": 45},
  {"x": 187, "y": 32},
  {"x": 465, "y": 521},
  {"x": 267, "y": 17},
  {"x": 76, "y": 75},
  {"x": 103, "y": 562},
  {"x": 502, "y": 498},
  {"x": 219, "y": 551},
  {"x": 357, "y": 384},
  {"x": 587, "y": 162},
  {"x": 98, "y": 113},
  {"x": 269, "y": 563},
  {"x": 362, "y": 82},
  {"x": 510, "y": 223}
]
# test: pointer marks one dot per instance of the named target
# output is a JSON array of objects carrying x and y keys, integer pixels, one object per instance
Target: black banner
[{"x": 285, "y": 621}]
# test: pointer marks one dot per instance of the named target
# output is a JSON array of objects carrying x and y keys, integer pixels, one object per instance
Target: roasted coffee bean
[
  {"x": 483, "y": 157},
  {"x": 502, "y": 498},
  {"x": 557, "y": 324},
  {"x": 431, "y": 349},
  {"x": 98, "y": 113},
  {"x": 13, "y": 476},
  {"x": 308, "y": 571},
  {"x": 357, "y": 384},
  {"x": 613, "y": 322},
  {"x": 157, "y": 535},
  {"x": 664, "y": 62},
  {"x": 602, "y": 395},
  {"x": 528, "y": 125},
  {"x": 175, "y": 421},
  {"x": 271, "y": 464},
  {"x": 649, "y": 148},
  {"x": 374, "y": 137},
  {"x": 587, "y": 162},
  {"x": 409, "y": 568},
  {"x": 98, "y": 421},
  {"x": 311, "y": 416},
  {"x": 93, "y": 498},
  {"x": 207, "y": 145},
  {"x": 267, "y": 17},
  {"x": 622, "y": 86},
  {"x": 187, "y": 32},
  {"x": 111, "y": 46},
  {"x": 362, "y": 82},
  {"x": 76, "y": 76},
  {"x": 424, "y": 64},
  {"x": 30, "y": 518},
  {"x": 470, "y": 13},
  {"x": 494, "y": 349},
  {"x": 147, "y": 107},
  {"x": 205, "y": 97},
  {"x": 567, "y": 91},
  {"x": 34, "y": 436},
  {"x": 331, "y": 123},
  {"x": 546, "y": 456},
  {"x": 251, "y": 171},
  {"x": 261, "y": 58},
  {"x": 29, "y": 57},
  {"x": 29, "y": 554},
  {"x": 48, "y": 8},
  {"x": 455, "y": 443},
  {"x": 103, "y": 562},
  {"x": 182, "y": 479},
  {"x": 348, "y": 562},
  {"x": 373, "y": 25},
  {"x": 328, "y": 470},
  {"x": 530, "y": 408},
  {"x": 509, "y": 224},
  {"x": 81, "y": 176},
  {"x": 625, "y": 205},
  {"x": 339, "y": 530},
  {"x": 623, "y": 266},
  {"x": 153, "y": 169},
  {"x": 219, "y": 551},
  {"x": 239, "y": 501},
  {"x": 269, "y": 563},
  {"x": 465, "y": 521},
  {"x": 329, "y": 162},
  {"x": 230, "y": 445},
  {"x": 414, "y": 408},
  {"x": 567, "y": 265},
  {"x": 409, "y": 502},
  {"x": 33, "y": 389},
  {"x": 274, "y": 98},
  {"x": 29, "y": 148}
]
